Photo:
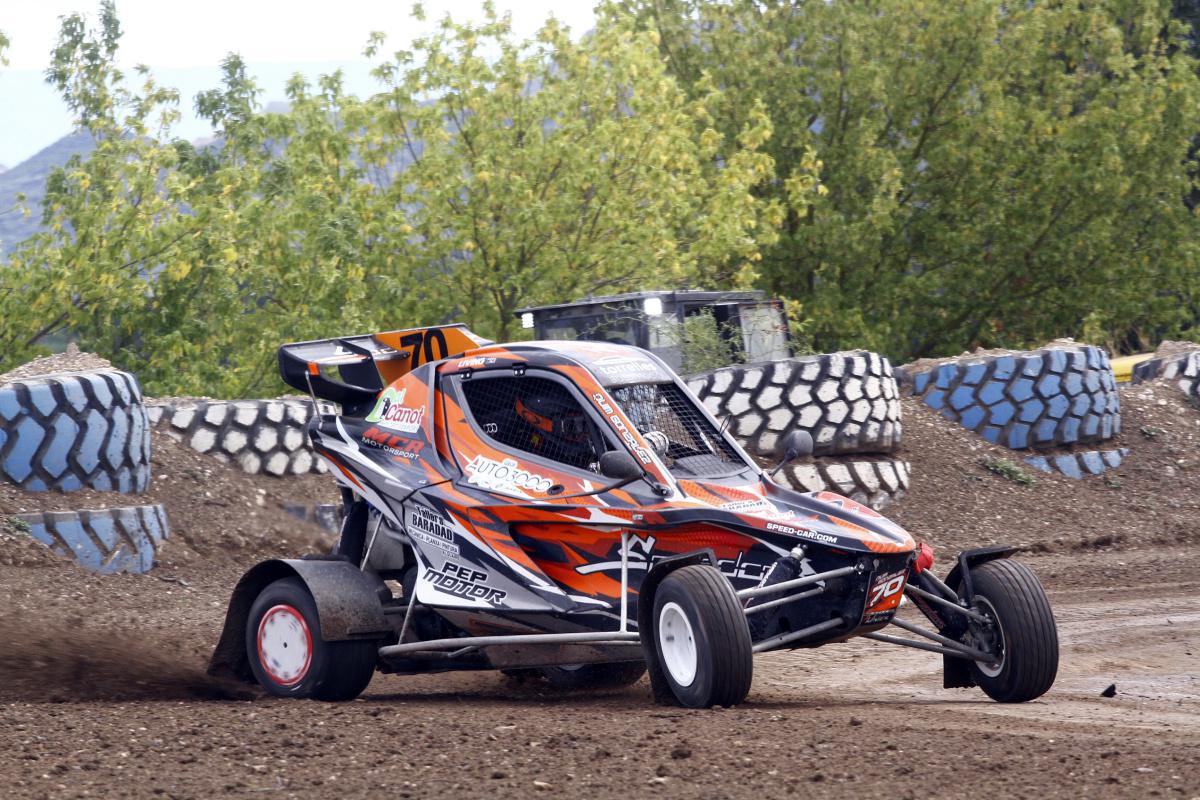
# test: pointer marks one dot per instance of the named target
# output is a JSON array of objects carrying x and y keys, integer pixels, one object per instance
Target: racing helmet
[{"x": 554, "y": 421}]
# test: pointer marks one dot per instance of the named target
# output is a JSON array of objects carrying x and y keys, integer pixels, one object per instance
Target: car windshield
[{"x": 682, "y": 436}]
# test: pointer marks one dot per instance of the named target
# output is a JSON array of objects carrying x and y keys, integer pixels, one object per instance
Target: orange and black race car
[{"x": 569, "y": 509}]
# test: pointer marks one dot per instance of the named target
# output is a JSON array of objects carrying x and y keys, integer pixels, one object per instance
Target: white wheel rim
[
  {"x": 284, "y": 645},
  {"x": 996, "y": 667},
  {"x": 677, "y": 643}
]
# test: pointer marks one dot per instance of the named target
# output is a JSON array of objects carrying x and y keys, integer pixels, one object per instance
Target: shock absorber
[{"x": 785, "y": 569}]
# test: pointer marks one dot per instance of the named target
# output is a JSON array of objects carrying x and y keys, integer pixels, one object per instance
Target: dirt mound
[
  {"x": 926, "y": 364},
  {"x": 73, "y": 360},
  {"x": 1170, "y": 349},
  {"x": 955, "y": 501}
]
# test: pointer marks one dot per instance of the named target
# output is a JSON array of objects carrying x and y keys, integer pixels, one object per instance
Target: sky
[{"x": 183, "y": 44}]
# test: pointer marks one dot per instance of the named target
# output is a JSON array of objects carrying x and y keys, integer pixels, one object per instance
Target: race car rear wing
[{"x": 352, "y": 370}]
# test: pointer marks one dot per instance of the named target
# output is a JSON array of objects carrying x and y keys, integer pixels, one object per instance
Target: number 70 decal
[{"x": 885, "y": 592}]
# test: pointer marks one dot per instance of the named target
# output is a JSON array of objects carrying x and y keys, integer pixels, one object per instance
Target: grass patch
[
  {"x": 17, "y": 524},
  {"x": 1009, "y": 470}
]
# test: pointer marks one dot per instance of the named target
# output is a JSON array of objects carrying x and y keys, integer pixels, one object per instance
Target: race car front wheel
[
  {"x": 288, "y": 656},
  {"x": 1020, "y": 631},
  {"x": 700, "y": 638}
]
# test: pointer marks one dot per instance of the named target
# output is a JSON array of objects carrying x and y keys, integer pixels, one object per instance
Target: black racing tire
[
  {"x": 262, "y": 437},
  {"x": 700, "y": 638},
  {"x": 330, "y": 671},
  {"x": 1008, "y": 592},
  {"x": 595, "y": 676},
  {"x": 849, "y": 402}
]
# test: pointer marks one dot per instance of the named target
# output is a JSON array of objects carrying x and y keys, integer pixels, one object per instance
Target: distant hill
[{"x": 29, "y": 177}]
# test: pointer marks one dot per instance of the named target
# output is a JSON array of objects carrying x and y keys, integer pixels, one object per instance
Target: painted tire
[
  {"x": 1183, "y": 369},
  {"x": 849, "y": 402},
  {"x": 106, "y": 540},
  {"x": 875, "y": 483},
  {"x": 1039, "y": 399},
  {"x": 75, "y": 430},
  {"x": 265, "y": 437},
  {"x": 1079, "y": 465}
]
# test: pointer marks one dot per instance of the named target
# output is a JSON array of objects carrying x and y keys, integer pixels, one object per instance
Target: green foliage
[
  {"x": 997, "y": 173},
  {"x": 1009, "y": 470},
  {"x": 704, "y": 344},
  {"x": 468, "y": 187}
]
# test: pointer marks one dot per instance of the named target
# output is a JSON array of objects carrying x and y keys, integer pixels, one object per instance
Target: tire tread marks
[{"x": 71, "y": 431}]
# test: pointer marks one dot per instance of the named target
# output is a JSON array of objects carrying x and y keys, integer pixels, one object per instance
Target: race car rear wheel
[
  {"x": 595, "y": 676},
  {"x": 700, "y": 638},
  {"x": 1020, "y": 631},
  {"x": 288, "y": 656}
]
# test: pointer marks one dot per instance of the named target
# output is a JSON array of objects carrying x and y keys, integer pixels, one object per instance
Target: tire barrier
[
  {"x": 260, "y": 436},
  {"x": 874, "y": 483},
  {"x": 75, "y": 430},
  {"x": 1183, "y": 368},
  {"x": 106, "y": 540},
  {"x": 1038, "y": 399},
  {"x": 328, "y": 516},
  {"x": 849, "y": 402},
  {"x": 1079, "y": 465}
]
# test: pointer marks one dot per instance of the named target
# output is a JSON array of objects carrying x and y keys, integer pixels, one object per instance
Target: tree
[
  {"x": 469, "y": 186},
  {"x": 556, "y": 170},
  {"x": 996, "y": 176}
]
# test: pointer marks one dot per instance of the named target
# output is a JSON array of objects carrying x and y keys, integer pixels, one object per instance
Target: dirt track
[
  {"x": 860, "y": 718},
  {"x": 102, "y": 691}
]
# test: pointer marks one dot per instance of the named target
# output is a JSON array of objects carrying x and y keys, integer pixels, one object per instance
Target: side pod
[{"x": 349, "y": 606}]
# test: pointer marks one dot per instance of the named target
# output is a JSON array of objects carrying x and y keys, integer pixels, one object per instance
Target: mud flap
[
  {"x": 956, "y": 672},
  {"x": 661, "y": 569},
  {"x": 349, "y": 606}
]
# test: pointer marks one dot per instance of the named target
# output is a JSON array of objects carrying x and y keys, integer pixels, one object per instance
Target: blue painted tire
[
  {"x": 1038, "y": 399},
  {"x": 74, "y": 431},
  {"x": 105, "y": 541}
]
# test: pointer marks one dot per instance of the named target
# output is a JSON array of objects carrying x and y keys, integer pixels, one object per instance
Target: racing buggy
[{"x": 570, "y": 509}]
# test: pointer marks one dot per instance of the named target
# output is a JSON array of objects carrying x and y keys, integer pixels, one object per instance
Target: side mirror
[
  {"x": 619, "y": 465},
  {"x": 791, "y": 447}
]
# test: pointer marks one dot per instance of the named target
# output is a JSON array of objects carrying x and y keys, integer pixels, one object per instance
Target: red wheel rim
[{"x": 284, "y": 645}]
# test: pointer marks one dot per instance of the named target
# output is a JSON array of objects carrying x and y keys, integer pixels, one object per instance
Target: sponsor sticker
[
  {"x": 397, "y": 446},
  {"x": 466, "y": 582},
  {"x": 505, "y": 476},
  {"x": 475, "y": 362},
  {"x": 626, "y": 435},
  {"x": 627, "y": 368},
  {"x": 803, "y": 533},
  {"x": 391, "y": 412},
  {"x": 429, "y": 527}
]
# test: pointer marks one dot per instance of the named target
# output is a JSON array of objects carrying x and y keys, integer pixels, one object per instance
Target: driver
[{"x": 557, "y": 430}]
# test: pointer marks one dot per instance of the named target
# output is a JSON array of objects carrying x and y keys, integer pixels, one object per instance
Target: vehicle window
[
  {"x": 679, "y": 432},
  {"x": 535, "y": 415}
]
